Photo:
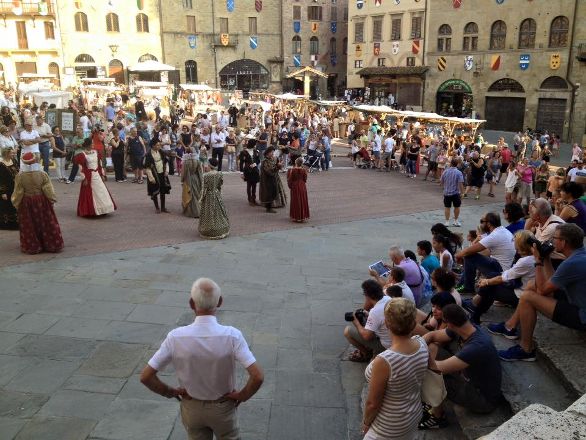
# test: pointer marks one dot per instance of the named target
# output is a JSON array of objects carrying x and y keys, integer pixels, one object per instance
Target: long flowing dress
[
  {"x": 8, "y": 215},
  {"x": 94, "y": 197},
  {"x": 299, "y": 209},
  {"x": 269, "y": 175},
  {"x": 213, "y": 218},
  {"x": 33, "y": 197},
  {"x": 281, "y": 200},
  {"x": 192, "y": 179}
]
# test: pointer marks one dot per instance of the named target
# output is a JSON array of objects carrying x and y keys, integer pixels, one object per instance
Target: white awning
[
  {"x": 197, "y": 87},
  {"x": 289, "y": 96},
  {"x": 98, "y": 80},
  {"x": 150, "y": 84},
  {"x": 150, "y": 66}
]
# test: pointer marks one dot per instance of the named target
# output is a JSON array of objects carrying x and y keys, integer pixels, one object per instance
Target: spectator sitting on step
[
  {"x": 515, "y": 216},
  {"x": 543, "y": 223},
  {"x": 434, "y": 320},
  {"x": 558, "y": 295},
  {"x": 396, "y": 278},
  {"x": 428, "y": 260},
  {"x": 473, "y": 375}
]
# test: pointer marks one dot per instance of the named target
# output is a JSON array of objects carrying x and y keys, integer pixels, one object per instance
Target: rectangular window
[
  {"x": 187, "y": 4},
  {"x": 252, "y": 25},
  {"x": 49, "y": 31},
  {"x": 466, "y": 43},
  {"x": 190, "y": 24},
  {"x": 377, "y": 29},
  {"x": 381, "y": 62},
  {"x": 333, "y": 13},
  {"x": 21, "y": 35},
  {"x": 346, "y": 13},
  {"x": 396, "y": 21},
  {"x": 314, "y": 13},
  {"x": 359, "y": 32},
  {"x": 224, "y": 26},
  {"x": 296, "y": 12},
  {"x": 474, "y": 43},
  {"x": 440, "y": 44},
  {"x": 357, "y": 64},
  {"x": 415, "y": 27},
  {"x": 410, "y": 61}
]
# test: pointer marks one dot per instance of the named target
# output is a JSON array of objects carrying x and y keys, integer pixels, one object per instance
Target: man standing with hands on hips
[
  {"x": 203, "y": 355},
  {"x": 218, "y": 140}
]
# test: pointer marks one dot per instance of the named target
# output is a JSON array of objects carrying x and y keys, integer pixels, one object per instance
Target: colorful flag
[
  {"x": 297, "y": 60},
  {"x": 495, "y": 62},
  {"x": 314, "y": 27},
  {"x": 456, "y": 3},
  {"x": 524, "y": 60},
  {"x": 395, "y": 48},
  {"x": 258, "y": 5},
  {"x": 555, "y": 61},
  {"x": 334, "y": 27},
  {"x": 377, "y": 3},
  {"x": 376, "y": 49},
  {"x": 230, "y": 5},
  {"x": 253, "y": 42},
  {"x": 359, "y": 4},
  {"x": 191, "y": 40},
  {"x": 296, "y": 27},
  {"x": 358, "y": 51},
  {"x": 415, "y": 46},
  {"x": 224, "y": 39},
  {"x": 441, "y": 64},
  {"x": 468, "y": 62}
]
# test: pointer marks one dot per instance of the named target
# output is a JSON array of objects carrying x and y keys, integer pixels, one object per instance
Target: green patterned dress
[{"x": 213, "y": 218}]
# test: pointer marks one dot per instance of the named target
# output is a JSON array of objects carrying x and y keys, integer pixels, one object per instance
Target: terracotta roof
[{"x": 396, "y": 70}]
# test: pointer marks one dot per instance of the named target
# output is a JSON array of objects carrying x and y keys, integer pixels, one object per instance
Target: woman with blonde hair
[{"x": 393, "y": 406}]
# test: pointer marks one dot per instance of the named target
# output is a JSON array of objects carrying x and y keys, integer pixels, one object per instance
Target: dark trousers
[
  {"x": 503, "y": 292},
  {"x": 487, "y": 266},
  {"x": 325, "y": 160},
  {"x": 251, "y": 191},
  {"x": 118, "y": 163},
  {"x": 156, "y": 201},
  {"x": 45, "y": 149},
  {"x": 218, "y": 153},
  {"x": 74, "y": 171},
  {"x": 171, "y": 163},
  {"x": 467, "y": 395}
]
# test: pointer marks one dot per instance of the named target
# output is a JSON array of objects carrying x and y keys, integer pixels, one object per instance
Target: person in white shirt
[
  {"x": 376, "y": 145},
  {"x": 203, "y": 356},
  {"x": 218, "y": 142},
  {"x": 46, "y": 134},
  {"x": 29, "y": 141},
  {"x": 372, "y": 337},
  {"x": 389, "y": 145},
  {"x": 84, "y": 121},
  {"x": 499, "y": 243}
]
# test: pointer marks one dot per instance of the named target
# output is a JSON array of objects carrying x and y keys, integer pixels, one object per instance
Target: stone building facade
[
  {"x": 315, "y": 34},
  {"x": 102, "y": 38},
  {"x": 31, "y": 42},
  {"x": 508, "y": 62},
  {"x": 386, "y": 42},
  {"x": 232, "y": 45},
  {"x": 577, "y": 77}
]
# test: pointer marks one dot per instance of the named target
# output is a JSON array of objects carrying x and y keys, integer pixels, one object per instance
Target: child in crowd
[
  {"x": 179, "y": 159},
  {"x": 428, "y": 261},
  {"x": 441, "y": 245}
]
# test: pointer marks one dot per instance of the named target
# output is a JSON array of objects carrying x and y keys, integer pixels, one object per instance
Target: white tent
[
  {"x": 197, "y": 87},
  {"x": 162, "y": 92},
  {"x": 98, "y": 80},
  {"x": 150, "y": 84},
  {"x": 60, "y": 99},
  {"x": 150, "y": 66},
  {"x": 288, "y": 96}
]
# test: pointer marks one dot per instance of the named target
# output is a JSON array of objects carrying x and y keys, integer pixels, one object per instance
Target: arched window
[
  {"x": 116, "y": 71},
  {"x": 444, "y": 39},
  {"x": 506, "y": 85},
  {"x": 296, "y": 44},
  {"x": 142, "y": 23},
  {"x": 81, "y": 22},
  {"x": 333, "y": 46},
  {"x": 554, "y": 83},
  {"x": 498, "y": 35},
  {"x": 470, "y": 41},
  {"x": 54, "y": 70},
  {"x": 558, "y": 32},
  {"x": 190, "y": 71},
  {"x": 147, "y": 57},
  {"x": 527, "y": 32},
  {"x": 345, "y": 46},
  {"x": 84, "y": 58},
  {"x": 112, "y": 23},
  {"x": 313, "y": 45}
]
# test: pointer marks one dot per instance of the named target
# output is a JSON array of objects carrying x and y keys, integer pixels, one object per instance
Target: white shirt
[
  {"x": 389, "y": 145},
  {"x": 85, "y": 122},
  {"x": 501, "y": 245},
  {"x": 376, "y": 322},
  {"x": 221, "y": 137},
  {"x": 26, "y": 136},
  {"x": 376, "y": 143},
  {"x": 203, "y": 355},
  {"x": 44, "y": 130},
  {"x": 573, "y": 173},
  {"x": 407, "y": 292},
  {"x": 524, "y": 269},
  {"x": 8, "y": 142}
]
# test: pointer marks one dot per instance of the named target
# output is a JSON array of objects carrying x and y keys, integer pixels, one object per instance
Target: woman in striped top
[{"x": 393, "y": 408}]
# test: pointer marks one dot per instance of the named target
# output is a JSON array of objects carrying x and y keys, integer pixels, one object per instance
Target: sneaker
[
  {"x": 429, "y": 421},
  {"x": 457, "y": 223},
  {"x": 447, "y": 223},
  {"x": 476, "y": 197},
  {"x": 516, "y": 353},
  {"x": 68, "y": 182},
  {"x": 502, "y": 330}
]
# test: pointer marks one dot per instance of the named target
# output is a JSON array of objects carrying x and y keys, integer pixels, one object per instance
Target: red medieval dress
[
  {"x": 33, "y": 197},
  {"x": 299, "y": 209},
  {"x": 94, "y": 197}
]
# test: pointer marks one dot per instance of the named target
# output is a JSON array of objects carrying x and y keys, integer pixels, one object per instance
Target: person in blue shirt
[
  {"x": 325, "y": 141},
  {"x": 515, "y": 216},
  {"x": 559, "y": 295},
  {"x": 428, "y": 261},
  {"x": 110, "y": 112}
]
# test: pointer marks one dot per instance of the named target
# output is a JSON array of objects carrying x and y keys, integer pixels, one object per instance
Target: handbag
[{"x": 433, "y": 388}]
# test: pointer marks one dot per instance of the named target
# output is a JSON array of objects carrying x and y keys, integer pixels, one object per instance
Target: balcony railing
[{"x": 27, "y": 7}]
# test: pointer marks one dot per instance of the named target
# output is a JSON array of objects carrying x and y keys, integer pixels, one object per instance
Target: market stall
[
  {"x": 59, "y": 98},
  {"x": 150, "y": 71}
]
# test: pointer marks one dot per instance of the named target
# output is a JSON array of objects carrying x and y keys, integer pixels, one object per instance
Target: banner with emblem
[
  {"x": 495, "y": 62},
  {"x": 468, "y": 62},
  {"x": 415, "y": 46},
  {"x": 225, "y": 39},
  {"x": 398, "y": 2},
  {"x": 359, "y": 4},
  {"x": 524, "y": 60},
  {"x": 500, "y": 2},
  {"x": 297, "y": 60},
  {"x": 230, "y": 5},
  {"x": 441, "y": 64},
  {"x": 253, "y": 42},
  {"x": 258, "y": 5},
  {"x": 333, "y": 59},
  {"x": 358, "y": 51},
  {"x": 191, "y": 40},
  {"x": 555, "y": 61},
  {"x": 334, "y": 27},
  {"x": 395, "y": 48},
  {"x": 314, "y": 27},
  {"x": 296, "y": 27},
  {"x": 377, "y": 3},
  {"x": 376, "y": 50},
  {"x": 456, "y": 3}
]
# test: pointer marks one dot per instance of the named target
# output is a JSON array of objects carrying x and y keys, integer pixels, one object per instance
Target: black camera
[
  {"x": 360, "y": 315},
  {"x": 544, "y": 249}
]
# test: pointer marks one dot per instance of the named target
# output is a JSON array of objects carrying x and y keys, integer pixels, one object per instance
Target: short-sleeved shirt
[
  {"x": 524, "y": 270},
  {"x": 501, "y": 245},
  {"x": 204, "y": 356},
  {"x": 451, "y": 179},
  {"x": 389, "y": 145},
  {"x": 376, "y": 322},
  {"x": 484, "y": 367},
  {"x": 569, "y": 277},
  {"x": 430, "y": 263},
  {"x": 413, "y": 277}
]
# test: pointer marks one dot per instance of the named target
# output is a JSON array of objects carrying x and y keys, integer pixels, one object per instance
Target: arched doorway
[
  {"x": 551, "y": 111},
  {"x": 454, "y": 98},
  {"x": 116, "y": 71},
  {"x": 85, "y": 66},
  {"x": 190, "y": 72},
  {"x": 504, "y": 111},
  {"x": 244, "y": 74},
  {"x": 54, "y": 70}
]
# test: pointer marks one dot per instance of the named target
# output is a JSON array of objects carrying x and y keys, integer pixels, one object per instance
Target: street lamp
[{"x": 114, "y": 49}]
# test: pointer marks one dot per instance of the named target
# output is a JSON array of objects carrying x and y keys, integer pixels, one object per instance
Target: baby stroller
[
  {"x": 312, "y": 161},
  {"x": 366, "y": 159}
]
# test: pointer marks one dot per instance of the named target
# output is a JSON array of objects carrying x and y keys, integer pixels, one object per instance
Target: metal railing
[{"x": 26, "y": 7}]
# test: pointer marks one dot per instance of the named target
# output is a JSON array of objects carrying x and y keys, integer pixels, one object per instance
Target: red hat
[{"x": 28, "y": 156}]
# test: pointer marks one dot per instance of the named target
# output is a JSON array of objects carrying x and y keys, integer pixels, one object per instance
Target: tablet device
[{"x": 380, "y": 268}]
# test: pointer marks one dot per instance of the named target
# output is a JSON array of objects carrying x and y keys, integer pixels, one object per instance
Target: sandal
[{"x": 357, "y": 356}]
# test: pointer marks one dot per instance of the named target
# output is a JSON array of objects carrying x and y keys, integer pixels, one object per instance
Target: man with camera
[
  {"x": 559, "y": 295},
  {"x": 543, "y": 223},
  {"x": 369, "y": 333}
]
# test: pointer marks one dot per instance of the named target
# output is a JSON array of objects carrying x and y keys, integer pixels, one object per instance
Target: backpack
[{"x": 427, "y": 291}]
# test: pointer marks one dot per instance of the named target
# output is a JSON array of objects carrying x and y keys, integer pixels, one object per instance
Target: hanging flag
[
  {"x": 314, "y": 27},
  {"x": 415, "y": 46},
  {"x": 376, "y": 49},
  {"x": 555, "y": 61},
  {"x": 441, "y": 64},
  {"x": 395, "y": 48},
  {"x": 500, "y": 2},
  {"x": 297, "y": 60},
  {"x": 225, "y": 39},
  {"x": 43, "y": 8},
  {"x": 253, "y": 42},
  {"x": 359, "y": 4},
  {"x": 258, "y": 5},
  {"x": 377, "y": 3},
  {"x": 334, "y": 27},
  {"x": 296, "y": 27},
  {"x": 230, "y": 5},
  {"x": 398, "y": 2},
  {"x": 468, "y": 62},
  {"x": 524, "y": 60},
  {"x": 333, "y": 59},
  {"x": 140, "y": 4},
  {"x": 78, "y": 4},
  {"x": 358, "y": 51},
  {"x": 456, "y": 3},
  {"x": 495, "y": 62},
  {"x": 191, "y": 40}
]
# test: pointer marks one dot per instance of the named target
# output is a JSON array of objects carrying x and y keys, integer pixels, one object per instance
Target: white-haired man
[{"x": 203, "y": 355}]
